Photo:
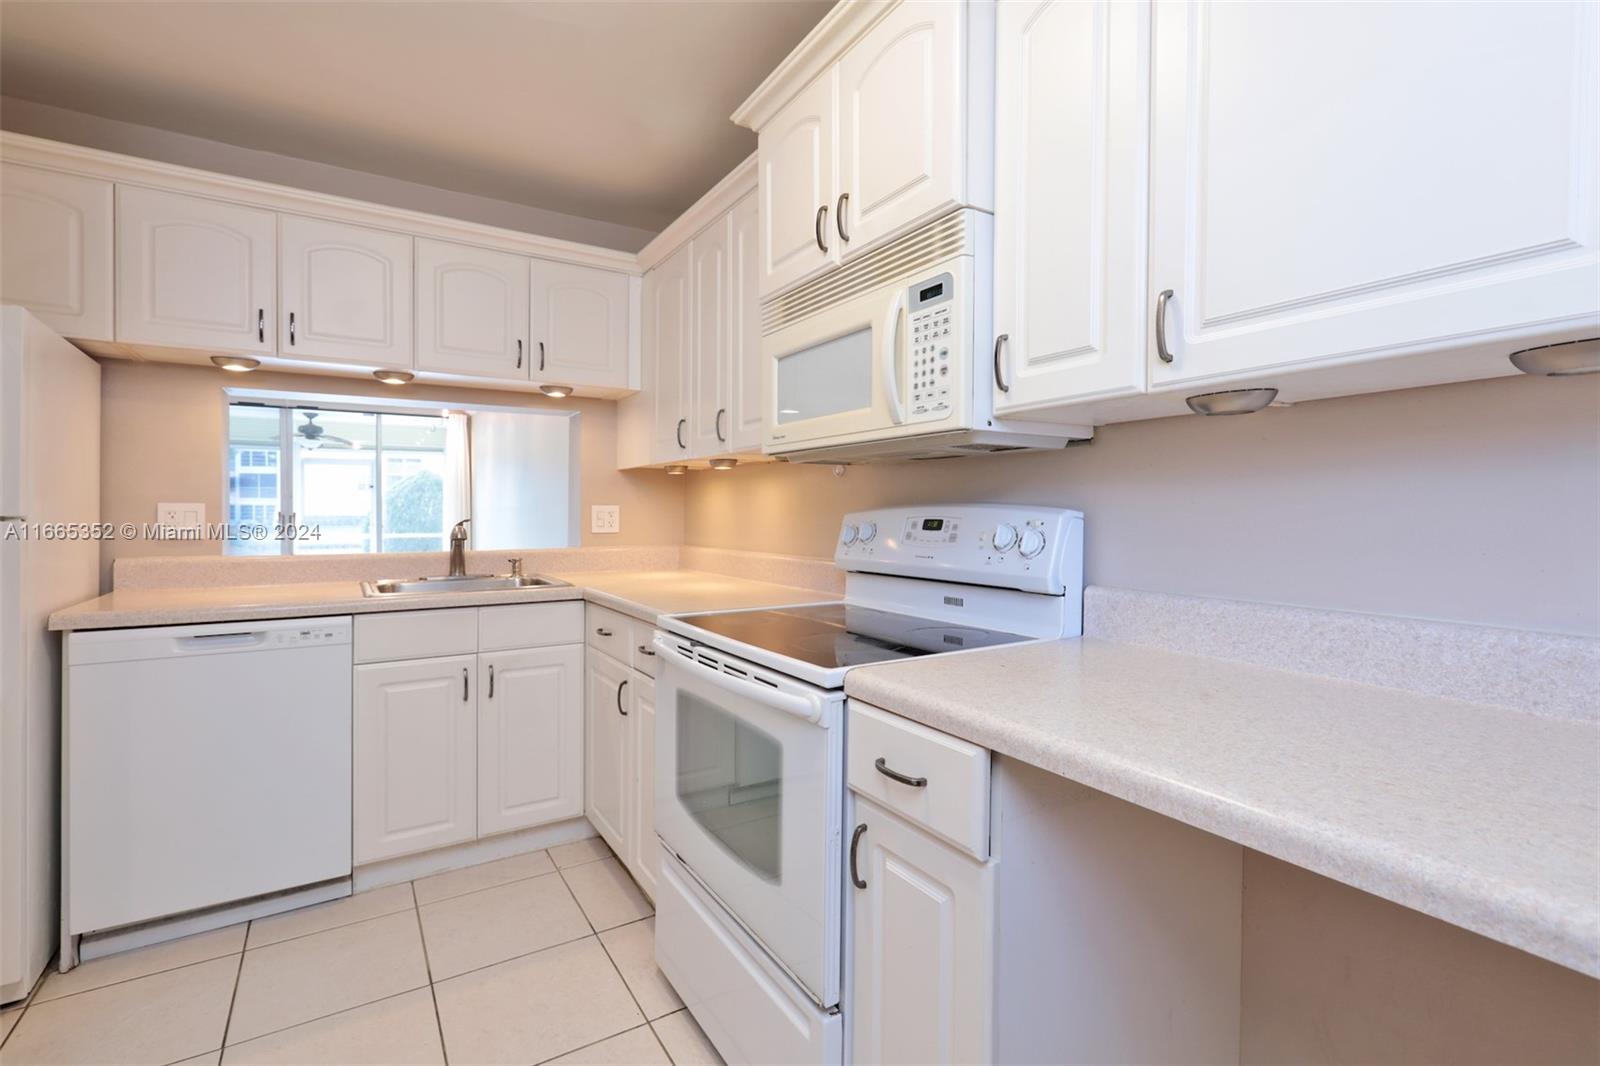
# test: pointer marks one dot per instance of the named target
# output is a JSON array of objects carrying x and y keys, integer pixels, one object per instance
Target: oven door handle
[
  {"x": 890, "y": 365},
  {"x": 787, "y": 702}
]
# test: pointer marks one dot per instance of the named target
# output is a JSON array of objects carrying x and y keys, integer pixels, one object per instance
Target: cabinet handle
[
  {"x": 1004, "y": 338},
  {"x": 519, "y": 353},
  {"x": 465, "y": 692},
  {"x": 1161, "y": 325},
  {"x": 855, "y": 842},
  {"x": 602, "y": 632},
  {"x": 261, "y": 325},
  {"x": 291, "y": 329},
  {"x": 619, "y": 699},
  {"x": 541, "y": 355},
  {"x": 822, "y": 217},
  {"x": 681, "y": 423},
  {"x": 717, "y": 422},
  {"x": 895, "y": 775},
  {"x": 838, "y": 217},
  {"x": 645, "y": 649},
  {"x": 491, "y": 681}
]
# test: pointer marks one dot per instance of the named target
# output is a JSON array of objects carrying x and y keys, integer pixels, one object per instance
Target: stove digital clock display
[{"x": 932, "y": 525}]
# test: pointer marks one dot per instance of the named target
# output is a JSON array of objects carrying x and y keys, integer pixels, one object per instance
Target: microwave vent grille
[{"x": 921, "y": 248}]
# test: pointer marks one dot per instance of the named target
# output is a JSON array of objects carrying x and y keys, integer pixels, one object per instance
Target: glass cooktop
[{"x": 834, "y": 635}]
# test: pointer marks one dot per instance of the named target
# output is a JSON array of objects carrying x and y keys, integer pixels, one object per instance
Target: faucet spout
[{"x": 458, "y": 545}]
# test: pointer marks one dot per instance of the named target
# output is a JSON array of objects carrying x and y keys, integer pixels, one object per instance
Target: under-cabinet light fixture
[
  {"x": 1564, "y": 360},
  {"x": 724, "y": 464},
  {"x": 558, "y": 392},
  {"x": 1232, "y": 401},
  {"x": 239, "y": 364},
  {"x": 676, "y": 469},
  {"x": 393, "y": 377}
]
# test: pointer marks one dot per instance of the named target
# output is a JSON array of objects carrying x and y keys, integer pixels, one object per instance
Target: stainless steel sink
[{"x": 422, "y": 586}]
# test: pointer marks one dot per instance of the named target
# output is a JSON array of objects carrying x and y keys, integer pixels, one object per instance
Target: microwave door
[
  {"x": 889, "y": 377},
  {"x": 831, "y": 370}
]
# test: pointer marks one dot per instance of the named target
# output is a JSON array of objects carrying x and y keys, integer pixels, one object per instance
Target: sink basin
[{"x": 422, "y": 586}]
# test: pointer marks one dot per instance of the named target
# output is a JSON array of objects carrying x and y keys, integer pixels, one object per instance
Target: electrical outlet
[
  {"x": 605, "y": 518},
  {"x": 185, "y": 516}
]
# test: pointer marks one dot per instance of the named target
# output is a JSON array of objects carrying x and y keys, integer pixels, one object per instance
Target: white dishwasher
[{"x": 203, "y": 765}]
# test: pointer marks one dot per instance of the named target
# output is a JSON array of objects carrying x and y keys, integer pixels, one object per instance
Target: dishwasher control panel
[{"x": 317, "y": 634}]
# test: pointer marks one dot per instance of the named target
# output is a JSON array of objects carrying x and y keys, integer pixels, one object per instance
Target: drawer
[
  {"x": 416, "y": 634},
  {"x": 610, "y": 632},
  {"x": 952, "y": 801},
  {"x": 530, "y": 625},
  {"x": 645, "y": 659}
]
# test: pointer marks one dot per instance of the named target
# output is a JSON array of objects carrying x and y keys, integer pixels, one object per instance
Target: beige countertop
[
  {"x": 643, "y": 594},
  {"x": 1481, "y": 816}
]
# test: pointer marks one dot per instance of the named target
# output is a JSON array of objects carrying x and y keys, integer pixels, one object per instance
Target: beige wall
[
  {"x": 1477, "y": 502},
  {"x": 162, "y": 440}
]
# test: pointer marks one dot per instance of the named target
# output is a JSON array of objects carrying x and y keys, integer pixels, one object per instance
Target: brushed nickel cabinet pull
[
  {"x": 855, "y": 843},
  {"x": 882, "y": 765},
  {"x": 519, "y": 353},
  {"x": 1161, "y": 325},
  {"x": 838, "y": 217},
  {"x": 1004, "y": 338},
  {"x": 619, "y": 699},
  {"x": 261, "y": 325},
  {"x": 822, "y": 218},
  {"x": 466, "y": 693},
  {"x": 491, "y": 681},
  {"x": 291, "y": 329}
]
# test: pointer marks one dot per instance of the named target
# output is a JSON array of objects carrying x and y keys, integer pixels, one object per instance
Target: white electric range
[{"x": 749, "y": 771}]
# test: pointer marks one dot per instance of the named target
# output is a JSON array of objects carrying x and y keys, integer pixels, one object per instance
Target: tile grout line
[
  {"x": 27, "y": 1000},
  {"x": 427, "y": 964},
  {"x": 318, "y": 1018},
  {"x": 237, "y": 975},
  {"x": 602, "y": 1040}
]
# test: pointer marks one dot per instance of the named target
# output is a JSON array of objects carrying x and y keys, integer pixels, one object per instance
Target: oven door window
[
  {"x": 730, "y": 781},
  {"x": 826, "y": 379}
]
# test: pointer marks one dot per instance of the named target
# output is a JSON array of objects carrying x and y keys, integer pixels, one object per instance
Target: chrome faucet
[{"x": 458, "y": 545}]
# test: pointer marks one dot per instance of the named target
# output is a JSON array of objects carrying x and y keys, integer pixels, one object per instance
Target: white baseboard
[{"x": 471, "y": 853}]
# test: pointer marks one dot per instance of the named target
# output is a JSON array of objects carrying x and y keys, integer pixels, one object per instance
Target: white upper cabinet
[
  {"x": 346, "y": 292},
  {"x": 55, "y": 255},
  {"x": 747, "y": 415},
  {"x": 195, "y": 273},
  {"x": 1070, "y": 184},
  {"x": 580, "y": 325},
  {"x": 708, "y": 391},
  {"x": 472, "y": 311},
  {"x": 530, "y": 737},
  {"x": 900, "y": 129},
  {"x": 796, "y": 167},
  {"x": 1343, "y": 182},
  {"x": 668, "y": 322}
]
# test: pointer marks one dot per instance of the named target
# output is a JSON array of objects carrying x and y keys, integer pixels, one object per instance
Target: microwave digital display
[{"x": 932, "y": 292}]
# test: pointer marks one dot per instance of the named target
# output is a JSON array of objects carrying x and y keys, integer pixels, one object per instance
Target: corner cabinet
[
  {"x": 346, "y": 293},
  {"x": 195, "y": 273},
  {"x": 668, "y": 322},
  {"x": 579, "y": 328},
  {"x": 55, "y": 259},
  {"x": 881, "y": 120},
  {"x": 472, "y": 311},
  {"x": 485, "y": 738},
  {"x": 619, "y": 739}
]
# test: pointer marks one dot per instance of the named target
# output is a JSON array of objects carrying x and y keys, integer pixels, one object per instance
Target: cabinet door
[
  {"x": 416, "y": 756},
  {"x": 1070, "y": 183},
  {"x": 55, "y": 258},
  {"x": 195, "y": 273},
  {"x": 923, "y": 939},
  {"x": 901, "y": 121},
  {"x": 580, "y": 325},
  {"x": 1355, "y": 181},
  {"x": 607, "y": 750},
  {"x": 669, "y": 313},
  {"x": 346, "y": 292},
  {"x": 709, "y": 377},
  {"x": 747, "y": 416},
  {"x": 530, "y": 737},
  {"x": 795, "y": 159},
  {"x": 472, "y": 311},
  {"x": 643, "y": 850}
]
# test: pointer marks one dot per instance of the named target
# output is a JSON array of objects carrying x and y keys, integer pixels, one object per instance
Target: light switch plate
[
  {"x": 181, "y": 515},
  {"x": 605, "y": 518}
]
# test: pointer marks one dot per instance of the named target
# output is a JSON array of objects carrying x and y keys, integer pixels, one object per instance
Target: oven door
[{"x": 749, "y": 789}]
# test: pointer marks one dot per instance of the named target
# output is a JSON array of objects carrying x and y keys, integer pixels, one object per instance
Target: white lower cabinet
[
  {"x": 620, "y": 740},
  {"x": 416, "y": 756},
  {"x": 530, "y": 737},
  {"x": 454, "y": 748},
  {"x": 924, "y": 937}
]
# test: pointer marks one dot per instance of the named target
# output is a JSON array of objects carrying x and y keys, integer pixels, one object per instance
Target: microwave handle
[{"x": 890, "y": 369}]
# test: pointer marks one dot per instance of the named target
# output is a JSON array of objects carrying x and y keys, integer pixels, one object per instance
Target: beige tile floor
[{"x": 544, "y": 957}]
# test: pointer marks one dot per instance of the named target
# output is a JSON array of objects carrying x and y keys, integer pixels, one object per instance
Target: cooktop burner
[{"x": 834, "y": 635}]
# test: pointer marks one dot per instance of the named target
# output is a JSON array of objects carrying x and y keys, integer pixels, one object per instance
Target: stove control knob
[
  {"x": 849, "y": 534},
  {"x": 868, "y": 531},
  {"x": 1032, "y": 543},
  {"x": 1005, "y": 535}
]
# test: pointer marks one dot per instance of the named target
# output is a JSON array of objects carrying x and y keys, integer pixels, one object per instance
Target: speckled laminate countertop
[
  {"x": 644, "y": 595},
  {"x": 1481, "y": 816}
]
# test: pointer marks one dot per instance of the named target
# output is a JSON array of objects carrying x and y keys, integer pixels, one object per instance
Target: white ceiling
[{"x": 608, "y": 110}]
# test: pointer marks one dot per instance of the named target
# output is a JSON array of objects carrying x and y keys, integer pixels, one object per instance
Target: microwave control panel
[{"x": 930, "y": 304}]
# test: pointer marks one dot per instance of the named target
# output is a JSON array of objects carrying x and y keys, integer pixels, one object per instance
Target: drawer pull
[
  {"x": 895, "y": 775},
  {"x": 602, "y": 632},
  {"x": 855, "y": 843},
  {"x": 645, "y": 649}
]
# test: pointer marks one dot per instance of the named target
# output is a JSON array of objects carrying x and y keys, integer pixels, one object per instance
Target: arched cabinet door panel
[
  {"x": 472, "y": 311},
  {"x": 580, "y": 317},
  {"x": 55, "y": 258},
  {"x": 346, "y": 293}
]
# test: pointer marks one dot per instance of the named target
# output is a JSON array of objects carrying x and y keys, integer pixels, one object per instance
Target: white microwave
[{"x": 886, "y": 357}]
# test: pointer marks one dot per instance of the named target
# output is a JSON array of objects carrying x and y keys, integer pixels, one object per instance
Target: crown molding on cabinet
[
  {"x": 739, "y": 183},
  {"x": 130, "y": 170},
  {"x": 820, "y": 49}
]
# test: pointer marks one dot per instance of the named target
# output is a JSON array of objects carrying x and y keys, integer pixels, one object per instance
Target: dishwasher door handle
[{"x": 216, "y": 641}]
